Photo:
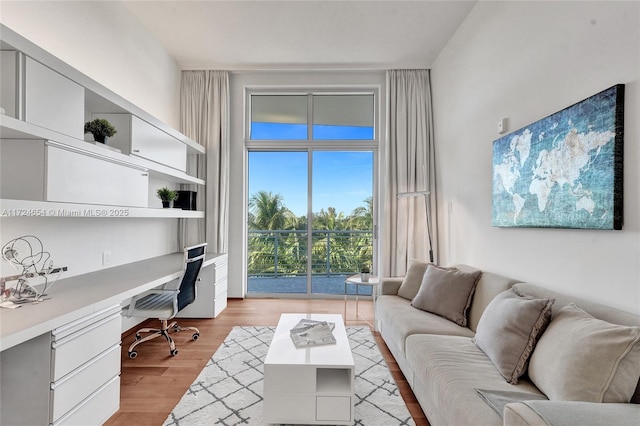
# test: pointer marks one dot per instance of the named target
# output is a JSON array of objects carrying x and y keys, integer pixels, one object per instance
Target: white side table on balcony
[{"x": 357, "y": 281}]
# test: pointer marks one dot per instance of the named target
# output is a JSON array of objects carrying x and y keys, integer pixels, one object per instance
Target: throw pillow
[
  {"x": 411, "y": 282},
  {"x": 509, "y": 329},
  {"x": 582, "y": 358},
  {"x": 447, "y": 292}
]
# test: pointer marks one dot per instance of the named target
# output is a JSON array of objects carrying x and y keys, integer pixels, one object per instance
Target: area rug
[{"x": 228, "y": 391}]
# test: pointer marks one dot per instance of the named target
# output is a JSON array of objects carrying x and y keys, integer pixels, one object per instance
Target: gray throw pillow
[
  {"x": 582, "y": 358},
  {"x": 509, "y": 329},
  {"x": 411, "y": 282},
  {"x": 447, "y": 292}
]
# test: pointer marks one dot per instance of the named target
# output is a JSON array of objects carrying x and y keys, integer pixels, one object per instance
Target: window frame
[{"x": 310, "y": 92}]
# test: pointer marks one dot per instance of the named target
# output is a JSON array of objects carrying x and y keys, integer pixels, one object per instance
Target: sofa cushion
[
  {"x": 446, "y": 292},
  {"x": 448, "y": 369},
  {"x": 399, "y": 320},
  {"x": 582, "y": 358},
  {"x": 412, "y": 280},
  {"x": 509, "y": 330},
  {"x": 545, "y": 413}
]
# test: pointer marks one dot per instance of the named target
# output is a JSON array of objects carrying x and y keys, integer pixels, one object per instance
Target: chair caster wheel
[
  {"x": 133, "y": 354},
  {"x": 195, "y": 336},
  {"x": 174, "y": 352}
]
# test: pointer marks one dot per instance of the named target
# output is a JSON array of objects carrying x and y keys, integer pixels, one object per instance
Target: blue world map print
[{"x": 564, "y": 171}]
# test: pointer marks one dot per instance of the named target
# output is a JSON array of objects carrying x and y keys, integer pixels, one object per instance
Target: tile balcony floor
[{"x": 320, "y": 284}]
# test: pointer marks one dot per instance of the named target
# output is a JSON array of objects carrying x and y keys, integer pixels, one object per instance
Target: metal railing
[{"x": 284, "y": 252}]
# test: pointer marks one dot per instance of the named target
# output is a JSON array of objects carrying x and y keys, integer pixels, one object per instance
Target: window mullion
[{"x": 310, "y": 116}]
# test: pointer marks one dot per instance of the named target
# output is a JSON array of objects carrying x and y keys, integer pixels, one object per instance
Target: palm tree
[
  {"x": 362, "y": 216},
  {"x": 268, "y": 212}
]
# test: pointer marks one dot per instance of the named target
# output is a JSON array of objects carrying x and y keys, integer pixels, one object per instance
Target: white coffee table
[{"x": 309, "y": 385}]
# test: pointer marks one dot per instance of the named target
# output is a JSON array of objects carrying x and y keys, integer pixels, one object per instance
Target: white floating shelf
[{"x": 28, "y": 208}]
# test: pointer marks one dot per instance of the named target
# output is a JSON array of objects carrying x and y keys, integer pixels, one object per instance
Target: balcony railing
[{"x": 283, "y": 254}]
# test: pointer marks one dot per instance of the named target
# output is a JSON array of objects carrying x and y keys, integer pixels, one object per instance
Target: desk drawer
[
  {"x": 80, "y": 341},
  {"x": 72, "y": 389},
  {"x": 96, "y": 409}
]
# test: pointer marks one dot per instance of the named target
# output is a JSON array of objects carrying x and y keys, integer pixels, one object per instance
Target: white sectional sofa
[{"x": 569, "y": 364}]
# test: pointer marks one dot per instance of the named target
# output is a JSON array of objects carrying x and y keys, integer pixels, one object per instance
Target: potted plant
[
  {"x": 100, "y": 128},
  {"x": 364, "y": 273},
  {"x": 167, "y": 196}
]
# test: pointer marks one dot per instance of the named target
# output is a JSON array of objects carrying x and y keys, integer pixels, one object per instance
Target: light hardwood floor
[{"x": 153, "y": 383}]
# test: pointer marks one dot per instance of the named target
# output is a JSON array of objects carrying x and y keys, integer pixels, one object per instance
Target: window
[
  {"x": 311, "y": 189},
  {"x": 313, "y": 116}
]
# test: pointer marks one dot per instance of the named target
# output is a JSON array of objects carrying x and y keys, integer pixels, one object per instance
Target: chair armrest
[
  {"x": 134, "y": 299},
  {"x": 543, "y": 413},
  {"x": 390, "y": 285}
]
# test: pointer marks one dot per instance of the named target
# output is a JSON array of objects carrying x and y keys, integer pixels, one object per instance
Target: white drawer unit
[
  {"x": 69, "y": 376},
  {"x": 137, "y": 137},
  {"x": 96, "y": 409},
  {"x": 74, "y": 388},
  {"x": 211, "y": 291},
  {"x": 47, "y": 171},
  {"x": 85, "y": 357}
]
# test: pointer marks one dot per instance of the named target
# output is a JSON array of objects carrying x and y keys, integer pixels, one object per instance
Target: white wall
[
  {"x": 238, "y": 196},
  {"x": 78, "y": 242},
  {"x": 524, "y": 61},
  {"x": 104, "y": 41}
]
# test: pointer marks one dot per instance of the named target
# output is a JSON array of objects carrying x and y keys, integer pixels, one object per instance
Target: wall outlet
[{"x": 106, "y": 258}]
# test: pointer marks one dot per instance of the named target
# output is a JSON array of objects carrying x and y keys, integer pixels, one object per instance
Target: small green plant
[
  {"x": 100, "y": 128},
  {"x": 365, "y": 269},
  {"x": 166, "y": 194}
]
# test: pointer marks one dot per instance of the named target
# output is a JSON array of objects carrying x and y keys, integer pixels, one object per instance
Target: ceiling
[{"x": 302, "y": 34}]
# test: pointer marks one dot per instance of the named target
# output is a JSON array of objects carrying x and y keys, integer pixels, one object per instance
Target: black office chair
[{"x": 165, "y": 303}]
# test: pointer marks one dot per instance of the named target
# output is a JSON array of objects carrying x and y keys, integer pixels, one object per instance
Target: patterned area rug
[{"x": 228, "y": 391}]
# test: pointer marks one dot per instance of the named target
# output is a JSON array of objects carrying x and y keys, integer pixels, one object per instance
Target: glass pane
[
  {"x": 343, "y": 117},
  {"x": 277, "y": 246},
  {"x": 342, "y": 233},
  {"x": 278, "y": 117}
]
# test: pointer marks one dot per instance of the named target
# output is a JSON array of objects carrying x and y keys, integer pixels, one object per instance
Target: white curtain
[
  {"x": 204, "y": 117},
  {"x": 410, "y": 167}
]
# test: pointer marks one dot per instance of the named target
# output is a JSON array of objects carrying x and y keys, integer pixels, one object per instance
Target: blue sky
[{"x": 341, "y": 179}]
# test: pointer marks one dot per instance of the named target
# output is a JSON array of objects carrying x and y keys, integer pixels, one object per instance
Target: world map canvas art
[{"x": 564, "y": 171}]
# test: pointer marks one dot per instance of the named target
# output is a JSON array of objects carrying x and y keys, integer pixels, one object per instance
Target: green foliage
[
  {"x": 99, "y": 128},
  {"x": 341, "y": 244},
  {"x": 166, "y": 194}
]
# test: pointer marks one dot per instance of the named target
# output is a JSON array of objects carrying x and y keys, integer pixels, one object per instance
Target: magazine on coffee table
[{"x": 309, "y": 333}]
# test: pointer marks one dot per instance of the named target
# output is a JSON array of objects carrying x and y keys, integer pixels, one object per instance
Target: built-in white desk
[{"x": 39, "y": 343}]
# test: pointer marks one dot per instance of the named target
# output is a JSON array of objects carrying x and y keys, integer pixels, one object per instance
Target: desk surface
[{"x": 75, "y": 297}]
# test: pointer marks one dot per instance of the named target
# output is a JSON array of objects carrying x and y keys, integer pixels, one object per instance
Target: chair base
[{"x": 161, "y": 332}]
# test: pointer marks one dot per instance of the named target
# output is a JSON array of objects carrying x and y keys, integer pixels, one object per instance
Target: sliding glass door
[
  {"x": 342, "y": 218},
  {"x": 310, "y": 220},
  {"x": 311, "y": 198}
]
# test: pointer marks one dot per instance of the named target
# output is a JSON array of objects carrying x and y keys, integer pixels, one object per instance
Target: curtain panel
[
  {"x": 409, "y": 228},
  {"x": 204, "y": 117}
]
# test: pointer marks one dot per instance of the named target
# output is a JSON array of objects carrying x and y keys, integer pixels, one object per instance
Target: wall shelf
[
  {"x": 46, "y": 101},
  {"x": 26, "y": 208}
]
